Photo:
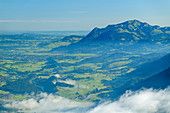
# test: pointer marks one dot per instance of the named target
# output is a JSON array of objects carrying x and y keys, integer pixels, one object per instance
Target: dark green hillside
[
  {"x": 149, "y": 69},
  {"x": 72, "y": 38},
  {"x": 158, "y": 81},
  {"x": 20, "y": 86},
  {"x": 144, "y": 72},
  {"x": 65, "y": 41}
]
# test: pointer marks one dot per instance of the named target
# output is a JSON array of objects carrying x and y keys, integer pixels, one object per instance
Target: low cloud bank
[
  {"x": 49, "y": 104},
  {"x": 142, "y": 101}
]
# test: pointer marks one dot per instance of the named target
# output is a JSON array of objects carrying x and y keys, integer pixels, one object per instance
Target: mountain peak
[
  {"x": 128, "y": 31},
  {"x": 132, "y": 24},
  {"x": 135, "y": 23}
]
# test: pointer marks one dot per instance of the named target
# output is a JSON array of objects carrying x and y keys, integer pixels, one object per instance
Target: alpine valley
[{"x": 83, "y": 66}]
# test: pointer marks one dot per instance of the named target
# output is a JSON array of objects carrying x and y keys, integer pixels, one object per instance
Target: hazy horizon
[{"x": 78, "y": 30}]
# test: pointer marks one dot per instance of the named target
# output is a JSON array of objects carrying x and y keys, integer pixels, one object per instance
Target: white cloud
[
  {"x": 142, "y": 101},
  {"x": 41, "y": 21},
  {"x": 72, "y": 82},
  {"x": 57, "y": 76},
  {"x": 68, "y": 81},
  {"x": 49, "y": 103}
]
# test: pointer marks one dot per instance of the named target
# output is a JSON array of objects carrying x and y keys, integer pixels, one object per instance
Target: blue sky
[{"x": 59, "y": 15}]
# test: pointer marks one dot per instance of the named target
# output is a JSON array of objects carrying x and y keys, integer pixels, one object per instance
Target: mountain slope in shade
[
  {"x": 157, "y": 81},
  {"x": 144, "y": 72},
  {"x": 161, "y": 80}
]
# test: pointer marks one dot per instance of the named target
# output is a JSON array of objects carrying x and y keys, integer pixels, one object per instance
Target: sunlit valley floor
[{"x": 86, "y": 69}]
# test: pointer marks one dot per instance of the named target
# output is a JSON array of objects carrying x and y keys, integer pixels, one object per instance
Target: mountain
[
  {"x": 124, "y": 34},
  {"x": 129, "y": 31}
]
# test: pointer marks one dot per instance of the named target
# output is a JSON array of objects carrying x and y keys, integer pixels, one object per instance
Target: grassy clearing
[
  {"x": 28, "y": 66},
  {"x": 120, "y": 63},
  {"x": 130, "y": 70},
  {"x": 18, "y": 97},
  {"x": 67, "y": 92},
  {"x": 90, "y": 65},
  {"x": 4, "y": 92},
  {"x": 4, "y": 74},
  {"x": 119, "y": 68},
  {"x": 44, "y": 77},
  {"x": 2, "y": 83}
]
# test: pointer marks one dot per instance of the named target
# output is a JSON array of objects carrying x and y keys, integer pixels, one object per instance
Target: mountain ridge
[
  {"x": 139, "y": 30},
  {"x": 120, "y": 35}
]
